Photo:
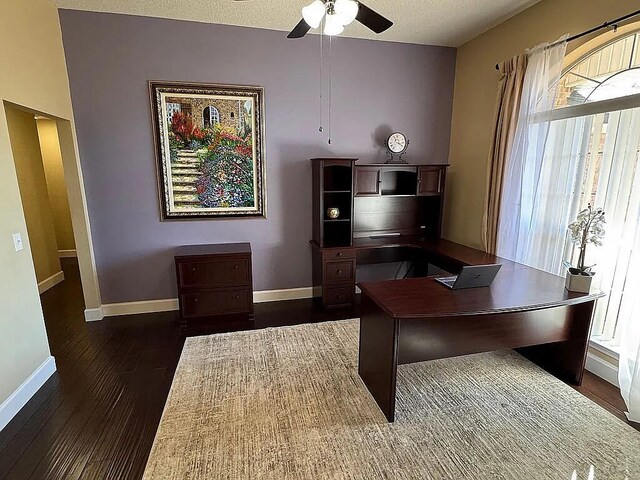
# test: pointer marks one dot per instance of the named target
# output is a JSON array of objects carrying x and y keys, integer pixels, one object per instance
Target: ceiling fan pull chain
[
  {"x": 321, "y": 79},
  {"x": 330, "y": 85}
]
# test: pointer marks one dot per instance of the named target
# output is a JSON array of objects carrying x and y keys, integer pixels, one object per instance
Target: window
[
  {"x": 210, "y": 116},
  {"x": 610, "y": 71},
  {"x": 592, "y": 156}
]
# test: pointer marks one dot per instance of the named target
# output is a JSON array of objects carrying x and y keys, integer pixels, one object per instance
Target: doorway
[
  {"x": 43, "y": 192},
  {"x": 52, "y": 197}
]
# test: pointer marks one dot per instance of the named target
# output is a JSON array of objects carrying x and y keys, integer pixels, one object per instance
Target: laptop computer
[{"x": 471, "y": 277}]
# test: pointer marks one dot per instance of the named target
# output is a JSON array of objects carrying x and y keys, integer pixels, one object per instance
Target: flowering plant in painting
[
  {"x": 587, "y": 228},
  {"x": 184, "y": 130},
  {"x": 227, "y": 166}
]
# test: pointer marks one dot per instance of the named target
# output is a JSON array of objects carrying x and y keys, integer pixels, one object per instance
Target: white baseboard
[
  {"x": 600, "y": 367},
  {"x": 93, "y": 314},
  {"x": 67, "y": 253},
  {"x": 171, "y": 304},
  {"x": 284, "y": 294},
  {"x": 18, "y": 399},
  {"x": 144, "y": 306},
  {"x": 52, "y": 281}
]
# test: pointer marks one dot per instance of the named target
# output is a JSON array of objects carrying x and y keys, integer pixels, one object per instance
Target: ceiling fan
[{"x": 337, "y": 14}]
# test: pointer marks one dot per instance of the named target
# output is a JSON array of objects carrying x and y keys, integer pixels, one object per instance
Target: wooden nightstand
[{"x": 214, "y": 283}]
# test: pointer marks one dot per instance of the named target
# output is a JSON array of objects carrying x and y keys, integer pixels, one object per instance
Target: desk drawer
[
  {"x": 214, "y": 273},
  {"x": 217, "y": 302},
  {"x": 333, "y": 254},
  {"x": 339, "y": 272},
  {"x": 338, "y": 296}
]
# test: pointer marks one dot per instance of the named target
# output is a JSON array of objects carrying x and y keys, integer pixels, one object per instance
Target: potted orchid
[{"x": 587, "y": 228}]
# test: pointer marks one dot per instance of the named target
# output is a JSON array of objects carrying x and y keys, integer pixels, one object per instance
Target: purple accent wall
[{"x": 378, "y": 87}]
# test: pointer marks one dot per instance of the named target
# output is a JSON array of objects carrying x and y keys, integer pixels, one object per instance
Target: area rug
[{"x": 287, "y": 403}]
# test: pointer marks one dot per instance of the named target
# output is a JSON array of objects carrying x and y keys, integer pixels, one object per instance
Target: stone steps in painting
[
  {"x": 187, "y": 153},
  {"x": 179, "y": 172},
  {"x": 186, "y": 197},
  {"x": 186, "y": 188},
  {"x": 186, "y": 166},
  {"x": 181, "y": 181},
  {"x": 184, "y": 191},
  {"x": 185, "y": 200},
  {"x": 187, "y": 156},
  {"x": 186, "y": 163},
  {"x": 185, "y": 172}
]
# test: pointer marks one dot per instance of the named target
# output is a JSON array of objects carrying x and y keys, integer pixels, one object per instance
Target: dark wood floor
[{"x": 96, "y": 417}]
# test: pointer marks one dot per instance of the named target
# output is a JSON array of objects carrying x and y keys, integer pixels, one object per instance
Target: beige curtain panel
[{"x": 507, "y": 109}]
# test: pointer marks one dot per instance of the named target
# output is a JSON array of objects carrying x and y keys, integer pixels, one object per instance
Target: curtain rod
[{"x": 611, "y": 23}]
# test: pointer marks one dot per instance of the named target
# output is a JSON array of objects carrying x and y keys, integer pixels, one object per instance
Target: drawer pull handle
[
  {"x": 235, "y": 266},
  {"x": 339, "y": 272},
  {"x": 340, "y": 254},
  {"x": 340, "y": 297},
  {"x": 193, "y": 269},
  {"x": 236, "y": 297},
  {"x": 195, "y": 300}
]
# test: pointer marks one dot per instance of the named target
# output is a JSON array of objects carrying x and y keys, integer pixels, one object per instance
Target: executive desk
[{"x": 418, "y": 319}]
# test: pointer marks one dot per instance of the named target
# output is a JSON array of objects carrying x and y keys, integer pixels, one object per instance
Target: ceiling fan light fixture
[
  {"x": 313, "y": 13},
  {"x": 346, "y": 10},
  {"x": 333, "y": 25}
]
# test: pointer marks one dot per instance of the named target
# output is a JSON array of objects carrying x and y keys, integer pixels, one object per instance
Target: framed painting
[{"x": 210, "y": 149}]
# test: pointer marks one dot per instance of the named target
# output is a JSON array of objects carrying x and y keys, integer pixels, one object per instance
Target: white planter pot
[{"x": 578, "y": 283}]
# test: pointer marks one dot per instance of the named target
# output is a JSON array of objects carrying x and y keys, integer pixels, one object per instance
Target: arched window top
[
  {"x": 609, "y": 71},
  {"x": 210, "y": 116}
]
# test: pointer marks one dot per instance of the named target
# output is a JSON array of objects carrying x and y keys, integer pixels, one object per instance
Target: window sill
[{"x": 606, "y": 347}]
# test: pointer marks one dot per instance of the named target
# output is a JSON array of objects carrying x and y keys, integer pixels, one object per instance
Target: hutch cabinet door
[
  {"x": 367, "y": 181},
  {"x": 430, "y": 180}
]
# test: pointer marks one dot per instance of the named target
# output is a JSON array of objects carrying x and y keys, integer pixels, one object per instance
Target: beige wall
[
  {"x": 475, "y": 94},
  {"x": 54, "y": 173},
  {"x": 23, "y": 134},
  {"x": 32, "y": 74}
]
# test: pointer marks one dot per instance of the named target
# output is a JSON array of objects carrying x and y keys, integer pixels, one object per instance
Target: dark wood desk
[{"x": 418, "y": 319}]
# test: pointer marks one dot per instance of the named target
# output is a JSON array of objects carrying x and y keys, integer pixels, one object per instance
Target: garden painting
[{"x": 209, "y": 145}]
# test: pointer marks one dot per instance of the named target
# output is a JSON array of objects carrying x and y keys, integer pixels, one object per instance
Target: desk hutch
[{"x": 376, "y": 201}]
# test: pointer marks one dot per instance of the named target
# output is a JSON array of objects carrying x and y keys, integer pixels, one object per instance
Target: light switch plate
[{"x": 17, "y": 242}]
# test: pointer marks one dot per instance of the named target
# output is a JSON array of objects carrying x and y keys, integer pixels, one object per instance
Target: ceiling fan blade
[
  {"x": 300, "y": 30},
  {"x": 372, "y": 20}
]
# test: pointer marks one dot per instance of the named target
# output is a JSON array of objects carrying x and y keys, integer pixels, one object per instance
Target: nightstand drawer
[
  {"x": 339, "y": 272},
  {"x": 338, "y": 296},
  {"x": 217, "y": 302},
  {"x": 214, "y": 273}
]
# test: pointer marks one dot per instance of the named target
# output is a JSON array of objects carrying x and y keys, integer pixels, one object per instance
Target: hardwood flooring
[{"x": 96, "y": 417}]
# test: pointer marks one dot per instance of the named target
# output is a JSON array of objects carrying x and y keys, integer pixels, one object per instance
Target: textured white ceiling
[{"x": 429, "y": 22}]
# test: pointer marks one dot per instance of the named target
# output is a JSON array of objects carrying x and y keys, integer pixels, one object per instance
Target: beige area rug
[{"x": 287, "y": 403}]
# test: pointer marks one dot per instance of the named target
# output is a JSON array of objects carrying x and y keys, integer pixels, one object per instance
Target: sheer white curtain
[
  {"x": 562, "y": 160},
  {"x": 619, "y": 191},
  {"x": 629, "y": 366},
  {"x": 603, "y": 148},
  {"x": 521, "y": 208}
]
